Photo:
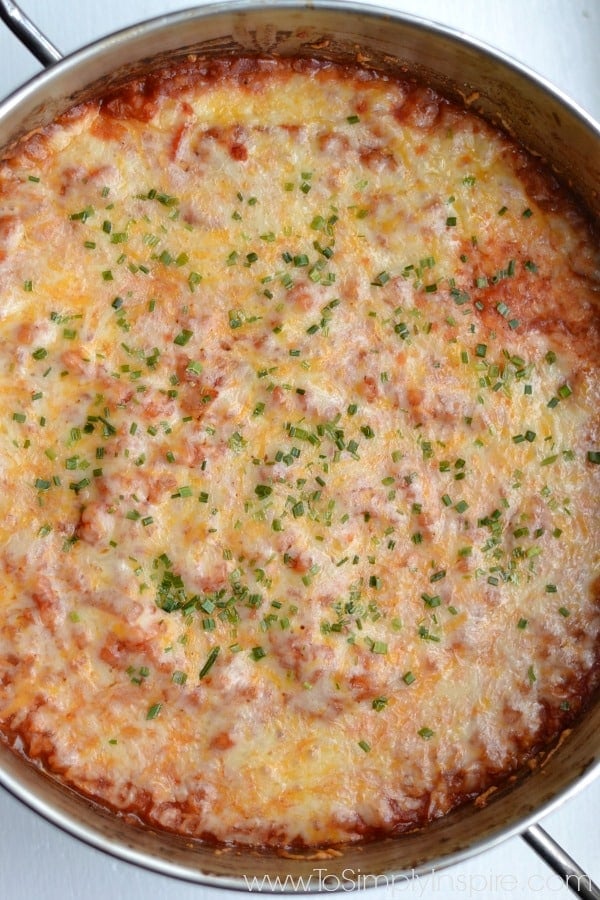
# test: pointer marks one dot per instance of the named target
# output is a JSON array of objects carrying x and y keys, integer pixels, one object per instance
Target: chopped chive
[
  {"x": 381, "y": 279},
  {"x": 153, "y": 710},
  {"x": 549, "y": 460},
  {"x": 210, "y": 661},
  {"x": 379, "y": 703},
  {"x": 194, "y": 279},
  {"x": 194, "y": 367},
  {"x": 183, "y": 337}
]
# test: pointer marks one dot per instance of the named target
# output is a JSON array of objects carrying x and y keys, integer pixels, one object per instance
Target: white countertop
[{"x": 557, "y": 38}]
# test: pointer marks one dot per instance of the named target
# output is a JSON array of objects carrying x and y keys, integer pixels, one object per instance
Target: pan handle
[
  {"x": 553, "y": 854},
  {"x": 29, "y": 34}
]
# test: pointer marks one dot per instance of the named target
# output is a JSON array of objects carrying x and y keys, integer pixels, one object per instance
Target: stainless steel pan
[{"x": 549, "y": 126}]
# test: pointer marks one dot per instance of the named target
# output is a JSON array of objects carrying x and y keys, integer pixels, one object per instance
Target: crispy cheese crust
[{"x": 299, "y": 453}]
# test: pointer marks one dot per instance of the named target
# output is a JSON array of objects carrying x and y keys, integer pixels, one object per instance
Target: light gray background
[{"x": 559, "y": 39}]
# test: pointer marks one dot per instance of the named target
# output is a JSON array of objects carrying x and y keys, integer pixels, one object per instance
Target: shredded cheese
[{"x": 298, "y": 454}]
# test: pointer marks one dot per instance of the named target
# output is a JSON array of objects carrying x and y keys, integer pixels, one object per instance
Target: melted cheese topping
[{"x": 299, "y": 444}]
